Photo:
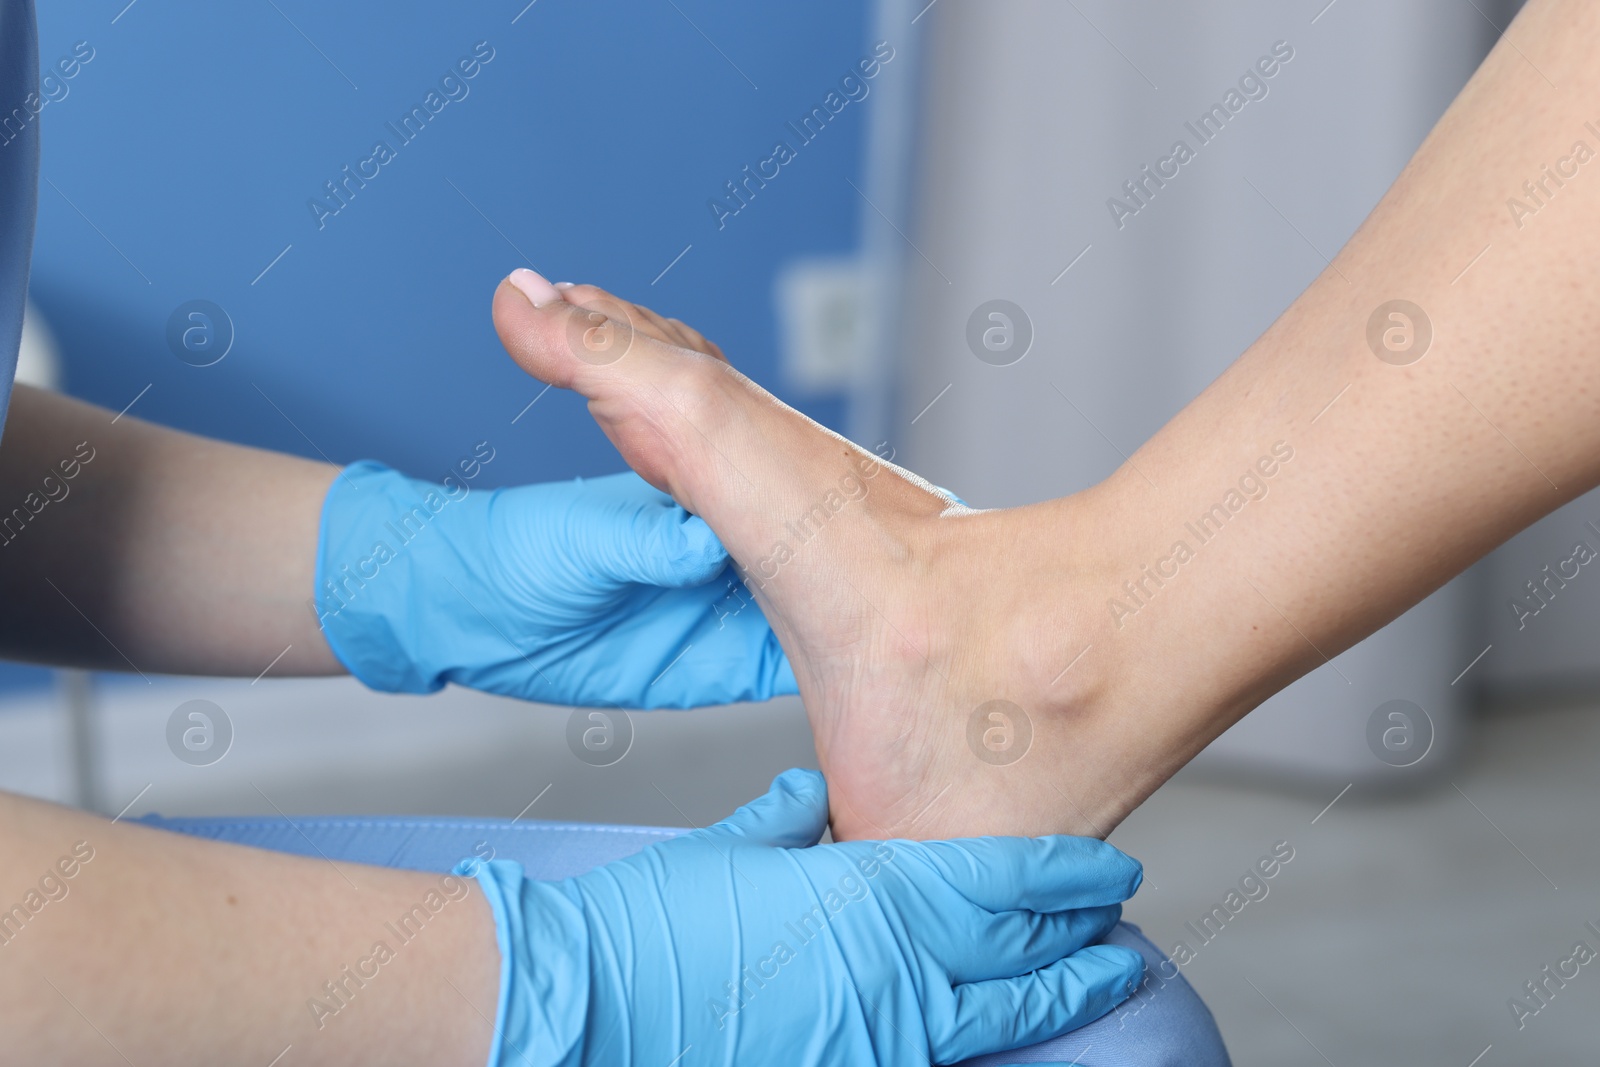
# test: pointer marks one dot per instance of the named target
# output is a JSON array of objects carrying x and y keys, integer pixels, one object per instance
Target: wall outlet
[{"x": 823, "y": 310}]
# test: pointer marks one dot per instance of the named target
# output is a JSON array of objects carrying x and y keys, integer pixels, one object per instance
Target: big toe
[
  {"x": 553, "y": 340},
  {"x": 650, "y": 396}
]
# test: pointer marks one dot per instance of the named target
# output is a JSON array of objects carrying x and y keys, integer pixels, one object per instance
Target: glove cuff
[
  {"x": 372, "y": 614},
  {"x": 542, "y": 1011}
]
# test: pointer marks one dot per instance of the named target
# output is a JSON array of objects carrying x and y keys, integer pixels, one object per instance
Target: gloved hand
[
  {"x": 599, "y": 592},
  {"x": 749, "y": 943}
]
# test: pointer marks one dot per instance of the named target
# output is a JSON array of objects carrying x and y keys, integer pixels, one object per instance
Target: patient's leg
[{"x": 1433, "y": 392}]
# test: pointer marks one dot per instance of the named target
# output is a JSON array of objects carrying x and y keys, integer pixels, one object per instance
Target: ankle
[
  {"x": 1152, "y": 687},
  {"x": 1097, "y": 690}
]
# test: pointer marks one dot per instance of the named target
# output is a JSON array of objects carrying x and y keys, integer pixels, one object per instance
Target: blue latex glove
[
  {"x": 600, "y": 592},
  {"x": 750, "y": 944}
]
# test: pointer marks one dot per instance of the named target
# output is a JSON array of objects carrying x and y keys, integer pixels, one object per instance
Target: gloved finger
[
  {"x": 1055, "y": 873},
  {"x": 650, "y": 541},
  {"x": 1009, "y": 1013},
  {"x": 784, "y": 683},
  {"x": 776, "y": 673},
  {"x": 740, "y": 661},
  {"x": 792, "y": 814},
  {"x": 1027, "y": 940}
]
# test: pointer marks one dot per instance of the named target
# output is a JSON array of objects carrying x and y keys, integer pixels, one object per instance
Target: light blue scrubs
[{"x": 19, "y": 176}]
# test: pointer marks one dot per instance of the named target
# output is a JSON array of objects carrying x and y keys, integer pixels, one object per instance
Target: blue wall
[{"x": 190, "y": 145}]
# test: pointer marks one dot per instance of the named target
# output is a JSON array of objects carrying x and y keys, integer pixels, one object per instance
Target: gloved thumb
[
  {"x": 792, "y": 814},
  {"x": 659, "y": 544}
]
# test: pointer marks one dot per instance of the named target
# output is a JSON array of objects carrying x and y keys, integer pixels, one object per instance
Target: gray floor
[
  {"x": 1403, "y": 925},
  {"x": 1396, "y": 934}
]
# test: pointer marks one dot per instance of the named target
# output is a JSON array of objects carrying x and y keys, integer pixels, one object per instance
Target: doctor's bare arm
[
  {"x": 123, "y": 944},
  {"x": 132, "y": 547}
]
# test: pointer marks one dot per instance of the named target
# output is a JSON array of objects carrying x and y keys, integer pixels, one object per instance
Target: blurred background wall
[{"x": 181, "y": 163}]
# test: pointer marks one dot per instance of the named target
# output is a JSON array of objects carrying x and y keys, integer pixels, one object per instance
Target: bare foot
[{"x": 932, "y": 650}]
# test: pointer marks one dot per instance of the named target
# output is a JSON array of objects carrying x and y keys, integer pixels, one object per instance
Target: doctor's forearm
[
  {"x": 122, "y": 944},
  {"x": 143, "y": 548}
]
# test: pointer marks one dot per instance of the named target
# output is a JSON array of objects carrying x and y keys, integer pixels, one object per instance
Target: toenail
[{"x": 533, "y": 285}]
